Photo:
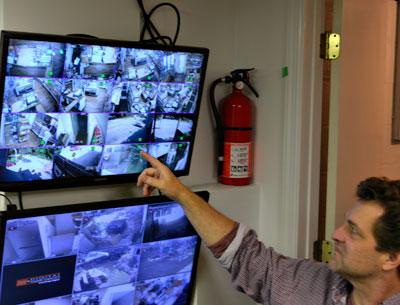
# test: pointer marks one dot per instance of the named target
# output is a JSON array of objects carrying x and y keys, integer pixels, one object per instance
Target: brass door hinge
[
  {"x": 322, "y": 251},
  {"x": 330, "y": 46}
]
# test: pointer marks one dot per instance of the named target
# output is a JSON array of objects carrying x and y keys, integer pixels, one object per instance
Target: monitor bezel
[
  {"x": 67, "y": 182},
  {"x": 81, "y": 207}
]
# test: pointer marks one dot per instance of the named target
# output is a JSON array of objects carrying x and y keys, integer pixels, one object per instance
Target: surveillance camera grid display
[
  {"x": 73, "y": 110},
  {"x": 130, "y": 255}
]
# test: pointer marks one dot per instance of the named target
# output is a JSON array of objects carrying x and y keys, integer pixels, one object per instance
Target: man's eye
[{"x": 353, "y": 230}]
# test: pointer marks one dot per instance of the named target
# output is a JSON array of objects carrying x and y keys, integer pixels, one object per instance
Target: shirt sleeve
[
  {"x": 220, "y": 246},
  {"x": 228, "y": 255},
  {"x": 271, "y": 278}
]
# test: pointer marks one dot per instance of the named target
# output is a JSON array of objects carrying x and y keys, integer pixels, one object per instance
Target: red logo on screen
[{"x": 39, "y": 279}]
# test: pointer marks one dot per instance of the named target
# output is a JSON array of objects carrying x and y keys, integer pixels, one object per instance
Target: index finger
[{"x": 153, "y": 161}]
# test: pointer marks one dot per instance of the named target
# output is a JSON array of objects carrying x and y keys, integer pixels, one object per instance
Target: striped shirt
[{"x": 270, "y": 278}]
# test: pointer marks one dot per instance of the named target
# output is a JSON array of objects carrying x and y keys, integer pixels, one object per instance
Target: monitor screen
[
  {"x": 78, "y": 111},
  {"x": 139, "y": 251}
]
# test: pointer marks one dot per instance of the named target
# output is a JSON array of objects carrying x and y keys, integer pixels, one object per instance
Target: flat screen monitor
[
  {"x": 139, "y": 251},
  {"x": 77, "y": 111}
]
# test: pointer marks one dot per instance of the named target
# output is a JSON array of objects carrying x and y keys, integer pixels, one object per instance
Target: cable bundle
[{"x": 151, "y": 29}]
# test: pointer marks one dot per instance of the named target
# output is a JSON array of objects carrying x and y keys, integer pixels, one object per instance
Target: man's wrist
[{"x": 183, "y": 194}]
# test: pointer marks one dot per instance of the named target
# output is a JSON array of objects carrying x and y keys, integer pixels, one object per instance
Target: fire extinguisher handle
[
  {"x": 251, "y": 87},
  {"x": 241, "y": 71},
  {"x": 243, "y": 75}
]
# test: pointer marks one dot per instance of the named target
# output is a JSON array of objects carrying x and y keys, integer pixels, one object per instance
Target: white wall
[
  {"x": 239, "y": 35},
  {"x": 99, "y": 18},
  {"x": 1, "y": 15},
  {"x": 271, "y": 35},
  {"x": 254, "y": 24}
]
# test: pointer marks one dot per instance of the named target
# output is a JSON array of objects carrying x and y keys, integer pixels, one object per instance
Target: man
[{"x": 365, "y": 269}]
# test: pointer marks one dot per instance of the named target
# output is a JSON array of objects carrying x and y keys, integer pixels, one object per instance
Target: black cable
[
  {"x": 178, "y": 17},
  {"x": 156, "y": 39},
  {"x": 21, "y": 206},
  {"x": 148, "y": 23},
  {"x": 8, "y": 199},
  {"x": 151, "y": 29}
]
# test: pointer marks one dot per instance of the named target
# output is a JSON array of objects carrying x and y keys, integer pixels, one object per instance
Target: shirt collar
[
  {"x": 393, "y": 300},
  {"x": 341, "y": 293}
]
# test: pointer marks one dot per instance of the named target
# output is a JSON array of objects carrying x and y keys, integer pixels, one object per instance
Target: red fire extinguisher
[{"x": 234, "y": 127}]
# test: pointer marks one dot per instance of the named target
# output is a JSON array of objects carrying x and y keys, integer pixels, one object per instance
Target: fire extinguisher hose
[{"x": 218, "y": 124}]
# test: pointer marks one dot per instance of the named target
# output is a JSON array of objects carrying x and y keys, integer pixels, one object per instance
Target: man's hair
[{"x": 387, "y": 194}]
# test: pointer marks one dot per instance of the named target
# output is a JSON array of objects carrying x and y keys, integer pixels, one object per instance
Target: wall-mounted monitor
[
  {"x": 140, "y": 251},
  {"x": 77, "y": 111}
]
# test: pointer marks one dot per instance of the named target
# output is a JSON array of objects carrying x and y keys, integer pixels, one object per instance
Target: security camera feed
[
  {"x": 122, "y": 159},
  {"x": 138, "y": 254},
  {"x": 174, "y": 155},
  {"x": 73, "y": 110}
]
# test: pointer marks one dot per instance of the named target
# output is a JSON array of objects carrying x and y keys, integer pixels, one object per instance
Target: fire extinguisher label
[{"x": 237, "y": 160}]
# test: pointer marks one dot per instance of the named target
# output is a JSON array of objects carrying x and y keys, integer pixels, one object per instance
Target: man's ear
[{"x": 391, "y": 261}]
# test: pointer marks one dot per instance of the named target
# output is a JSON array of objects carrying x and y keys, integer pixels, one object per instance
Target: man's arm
[{"x": 210, "y": 224}]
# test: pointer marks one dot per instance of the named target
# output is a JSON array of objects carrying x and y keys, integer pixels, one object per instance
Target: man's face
[{"x": 355, "y": 256}]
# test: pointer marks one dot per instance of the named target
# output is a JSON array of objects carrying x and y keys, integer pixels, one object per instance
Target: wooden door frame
[{"x": 325, "y": 115}]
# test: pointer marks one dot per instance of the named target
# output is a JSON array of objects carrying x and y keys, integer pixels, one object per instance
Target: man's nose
[{"x": 338, "y": 234}]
